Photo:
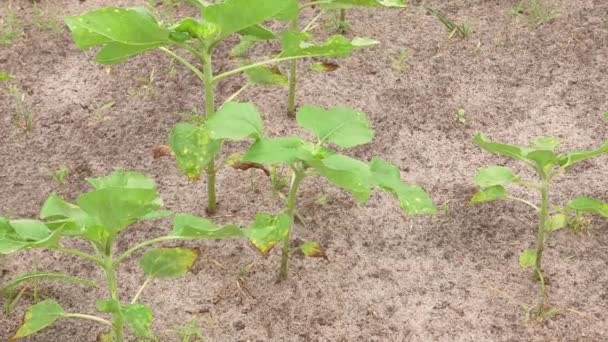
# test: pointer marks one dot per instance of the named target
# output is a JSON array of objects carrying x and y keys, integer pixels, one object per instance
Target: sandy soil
[{"x": 390, "y": 277}]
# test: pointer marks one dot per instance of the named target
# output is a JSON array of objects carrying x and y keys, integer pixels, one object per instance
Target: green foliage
[
  {"x": 11, "y": 27},
  {"x": 190, "y": 226},
  {"x": 542, "y": 157},
  {"x": 347, "y": 4},
  {"x": 38, "y": 317},
  {"x": 5, "y": 76},
  {"x": 342, "y": 126},
  {"x": 235, "y": 121},
  {"x": 60, "y": 175},
  {"x": 300, "y": 44},
  {"x": 462, "y": 30},
  {"x": 537, "y": 12},
  {"x": 168, "y": 262},
  {"x": 268, "y": 230},
  {"x": 193, "y": 148}
]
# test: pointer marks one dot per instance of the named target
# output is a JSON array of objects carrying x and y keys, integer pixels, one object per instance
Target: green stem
[
  {"x": 141, "y": 289},
  {"x": 293, "y": 69},
  {"x": 117, "y": 323},
  {"x": 296, "y": 178},
  {"x": 255, "y": 65},
  {"x": 342, "y": 21},
  {"x": 88, "y": 317},
  {"x": 209, "y": 110},
  {"x": 540, "y": 239},
  {"x": 530, "y": 204},
  {"x": 81, "y": 255},
  {"x": 184, "y": 62}
]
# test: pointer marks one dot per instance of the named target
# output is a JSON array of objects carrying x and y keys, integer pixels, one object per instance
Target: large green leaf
[
  {"x": 193, "y": 148},
  {"x": 286, "y": 150},
  {"x": 589, "y": 204},
  {"x": 59, "y": 213},
  {"x": 268, "y": 230},
  {"x": 490, "y": 194},
  {"x": 231, "y": 16},
  {"x": 187, "y": 225},
  {"x": 412, "y": 198},
  {"x": 572, "y": 158},
  {"x": 541, "y": 156},
  {"x": 341, "y": 125},
  {"x": 236, "y": 121},
  {"x": 123, "y": 32},
  {"x": 346, "y": 4},
  {"x": 168, "y": 262},
  {"x": 494, "y": 175},
  {"x": 19, "y": 234},
  {"x": 38, "y": 317},
  {"x": 300, "y": 44},
  {"x": 348, "y": 173}
]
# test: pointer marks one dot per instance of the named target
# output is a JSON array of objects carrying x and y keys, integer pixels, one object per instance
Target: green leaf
[
  {"x": 312, "y": 249},
  {"x": 412, "y": 198},
  {"x": 290, "y": 12},
  {"x": 299, "y": 44},
  {"x": 490, "y": 194},
  {"x": 266, "y": 76},
  {"x": 259, "y": 32},
  {"x": 123, "y": 179},
  {"x": 123, "y": 32},
  {"x": 187, "y": 225},
  {"x": 341, "y": 125},
  {"x": 193, "y": 148},
  {"x": 268, "y": 230},
  {"x": 527, "y": 258},
  {"x": 18, "y": 234},
  {"x": 139, "y": 318},
  {"x": 575, "y": 157},
  {"x": 30, "y": 230},
  {"x": 60, "y": 214},
  {"x": 590, "y": 205},
  {"x": 348, "y": 173},
  {"x": 236, "y": 121},
  {"x": 230, "y": 17},
  {"x": 513, "y": 151},
  {"x": 347, "y": 4},
  {"x": 546, "y": 143},
  {"x": 108, "y": 305},
  {"x": 168, "y": 262},
  {"x": 5, "y": 76},
  {"x": 494, "y": 175},
  {"x": 555, "y": 222},
  {"x": 286, "y": 150},
  {"x": 38, "y": 317},
  {"x": 195, "y": 28}
]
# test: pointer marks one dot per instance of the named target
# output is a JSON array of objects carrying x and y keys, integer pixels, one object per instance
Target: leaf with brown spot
[
  {"x": 324, "y": 67},
  {"x": 162, "y": 151}
]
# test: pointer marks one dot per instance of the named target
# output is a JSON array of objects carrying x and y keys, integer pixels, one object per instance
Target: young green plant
[
  {"x": 327, "y": 5},
  {"x": 340, "y": 126},
  {"x": 541, "y": 157},
  {"x": 98, "y": 217},
  {"x": 126, "y": 32}
]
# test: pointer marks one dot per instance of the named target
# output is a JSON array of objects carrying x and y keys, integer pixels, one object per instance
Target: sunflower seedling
[
  {"x": 341, "y": 126},
  {"x": 125, "y": 32},
  {"x": 98, "y": 217},
  {"x": 541, "y": 156}
]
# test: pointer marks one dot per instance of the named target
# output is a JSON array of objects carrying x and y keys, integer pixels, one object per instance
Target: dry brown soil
[{"x": 390, "y": 277}]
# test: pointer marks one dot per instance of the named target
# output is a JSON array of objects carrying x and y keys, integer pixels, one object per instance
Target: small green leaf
[
  {"x": 139, "y": 318},
  {"x": 342, "y": 126},
  {"x": 299, "y": 44},
  {"x": 168, "y": 262},
  {"x": 555, "y": 222},
  {"x": 193, "y": 148},
  {"x": 18, "y": 234},
  {"x": 236, "y": 121},
  {"x": 412, "y": 198},
  {"x": 590, "y": 205},
  {"x": 546, "y": 143},
  {"x": 312, "y": 249},
  {"x": 38, "y": 317},
  {"x": 268, "y": 230},
  {"x": 5, "y": 76},
  {"x": 259, "y": 32},
  {"x": 490, "y": 194},
  {"x": 513, "y": 151},
  {"x": 575, "y": 157},
  {"x": 195, "y": 28},
  {"x": 264, "y": 75},
  {"x": 123, "y": 179},
  {"x": 527, "y": 258},
  {"x": 286, "y": 150},
  {"x": 108, "y": 305},
  {"x": 348, "y": 173},
  {"x": 494, "y": 175},
  {"x": 61, "y": 214},
  {"x": 187, "y": 225},
  {"x": 115, "y": 53}
]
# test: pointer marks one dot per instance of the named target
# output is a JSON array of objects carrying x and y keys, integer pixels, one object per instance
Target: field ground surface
[{"x": 389, "y": 277}]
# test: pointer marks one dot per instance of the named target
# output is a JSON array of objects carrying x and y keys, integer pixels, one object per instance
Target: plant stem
[
  {"x": 540, "y": 240},
  {"x": 342, "y": 24},
  {"x": 110, "y": 272},
  {"x": 255, "y": 65},
  {"x": 523, "y": 201},
  {"x": 184, "y": 62},
  {"x": 209, "y": 110},
  {"x": 238, "y": 92},
  {"x": 89, "y": 317},
  {"x": 293, "y": 65},
  {"x": 141, "y": 289},
  {"x": 296, "y": 178},
  {"x": 81, "y": 255}
]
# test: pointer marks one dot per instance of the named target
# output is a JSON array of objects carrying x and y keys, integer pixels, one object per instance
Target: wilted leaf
[
  {"x": 494, "y": 175},
  {"x": 268, "y": 230},
  {"x": 235, "y": 161},
  {"x": 527, "y": 258},
  {"x": 167, "y": 262},
  {"x": 187, "y": 225},
  {"x": 38, "y": 317},
  {"x": 489, "y": 194}
]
